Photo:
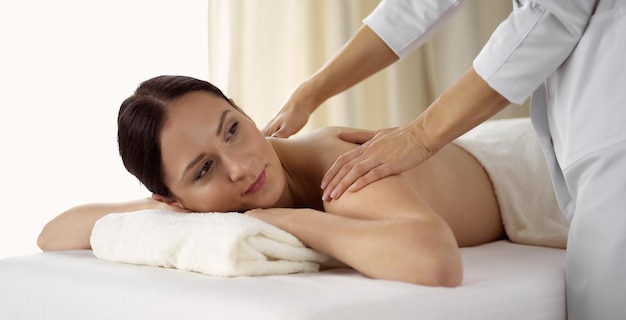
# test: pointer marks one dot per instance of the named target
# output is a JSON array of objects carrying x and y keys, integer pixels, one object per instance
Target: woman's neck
[{"x": 301, "y": 184}]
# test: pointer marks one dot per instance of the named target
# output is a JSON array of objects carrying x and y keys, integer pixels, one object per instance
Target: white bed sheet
[{"x": 502, "y": 281}]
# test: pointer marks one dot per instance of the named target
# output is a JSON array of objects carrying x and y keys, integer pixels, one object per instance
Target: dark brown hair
[{"x": 140, "y": 120}]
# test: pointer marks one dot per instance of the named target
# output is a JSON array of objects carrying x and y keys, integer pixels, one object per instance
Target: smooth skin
[
  {"x": 469, "y": 102},
  {"x": 406, "y": 227}
]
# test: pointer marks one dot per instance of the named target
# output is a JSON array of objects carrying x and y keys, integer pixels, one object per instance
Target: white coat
[{"x": 571, "y": 56}]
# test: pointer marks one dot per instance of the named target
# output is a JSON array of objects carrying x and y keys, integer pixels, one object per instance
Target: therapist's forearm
[
  {"x": 363, "y": 55},
  {"x": 469, "y": 102}
]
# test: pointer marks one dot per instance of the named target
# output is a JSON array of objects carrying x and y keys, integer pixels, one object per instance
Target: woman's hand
[{"x": 382, "y": 153}]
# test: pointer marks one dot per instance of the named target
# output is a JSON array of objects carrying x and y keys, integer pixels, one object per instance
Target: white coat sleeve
[
  {"x": 531, "y": 44},
  {"x": 404, "y": 25}
]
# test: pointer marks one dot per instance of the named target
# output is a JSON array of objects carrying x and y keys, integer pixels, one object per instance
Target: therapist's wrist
[
  {"x": 467, "y": 103},
  {"x": 307, "y": 96},
  {"x": 426, "y": 141}
]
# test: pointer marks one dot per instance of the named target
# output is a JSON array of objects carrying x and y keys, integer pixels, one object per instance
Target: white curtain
[{"x": 260, "y": 50}]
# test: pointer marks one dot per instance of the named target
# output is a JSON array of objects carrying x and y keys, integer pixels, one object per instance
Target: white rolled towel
[{"x": 217, "y": 244}]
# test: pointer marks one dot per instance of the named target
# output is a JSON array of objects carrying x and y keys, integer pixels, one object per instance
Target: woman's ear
[{"x": 167, "y": 200}]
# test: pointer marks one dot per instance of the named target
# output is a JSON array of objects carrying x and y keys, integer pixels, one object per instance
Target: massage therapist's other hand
[
  {"x": 382, "y": 153},
  {"x": 291, "y": 117}
]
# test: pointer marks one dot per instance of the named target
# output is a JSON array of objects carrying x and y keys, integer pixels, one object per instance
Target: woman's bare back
[
  {"x": 452, "y": 182},
  {"x": 458, "y": 188}
]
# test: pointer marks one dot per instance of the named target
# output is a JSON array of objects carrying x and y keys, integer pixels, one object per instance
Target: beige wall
[{"x": 275, "y": 44}]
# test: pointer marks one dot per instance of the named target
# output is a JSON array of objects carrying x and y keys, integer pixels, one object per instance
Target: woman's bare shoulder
[
  {"x": 327, "y": 139},
  {"x": 326, "y": 144},
  {"x": 315, "y": 150}
]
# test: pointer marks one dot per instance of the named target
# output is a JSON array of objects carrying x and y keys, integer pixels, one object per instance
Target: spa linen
[
  {"x": 510, "y": 152},
  {"x": 217, "y": 244}
]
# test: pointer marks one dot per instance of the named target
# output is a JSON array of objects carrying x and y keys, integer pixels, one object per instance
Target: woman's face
[{"x": 215, "y": 159}]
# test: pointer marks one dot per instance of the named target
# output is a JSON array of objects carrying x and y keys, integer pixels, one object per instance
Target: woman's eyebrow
[
  {"x": 221, "y": 124},
  {"x": 191, "y": 165}
]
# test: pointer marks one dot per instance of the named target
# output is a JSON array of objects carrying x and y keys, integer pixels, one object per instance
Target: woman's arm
[
  {"x": 384, "y": 231},
  {"x": 72, "y": 229}
]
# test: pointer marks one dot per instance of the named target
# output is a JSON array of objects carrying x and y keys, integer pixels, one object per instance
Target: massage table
[{"x": 502, "y": 280}]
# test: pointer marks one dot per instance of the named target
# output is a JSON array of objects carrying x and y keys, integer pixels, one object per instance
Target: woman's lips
[{"x": 257, "y": 184}]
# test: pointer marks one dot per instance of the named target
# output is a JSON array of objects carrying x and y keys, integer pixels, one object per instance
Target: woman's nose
[{"x": 239, "y": 167}]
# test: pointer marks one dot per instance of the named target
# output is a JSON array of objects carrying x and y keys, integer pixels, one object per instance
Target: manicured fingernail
[
  {"x": 334, "y": 194},
  {"x": 323, "y": 185}
]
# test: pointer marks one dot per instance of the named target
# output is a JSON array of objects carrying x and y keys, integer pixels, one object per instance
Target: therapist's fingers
[
  {"x": 375, "y": 174},
  {"x": 277, "y": 131},
  {"x": 354, "y": 158},
  {"x": 340, "y": 164},
  {"x": 270, "y": 128},
  {"x": 390, "y": 151},
  {"x": 287, "y": 122},
  {"x": 276, "y": 128},
  {"x": 348, "y": 174}
]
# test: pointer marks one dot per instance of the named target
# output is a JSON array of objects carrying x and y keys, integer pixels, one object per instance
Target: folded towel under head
[{"x": 218, "y": 244}]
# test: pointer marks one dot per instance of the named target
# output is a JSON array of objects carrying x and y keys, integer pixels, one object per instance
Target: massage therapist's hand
[
  {"x": 382, "y": 153},
  {"x": 291, "y": 117}
]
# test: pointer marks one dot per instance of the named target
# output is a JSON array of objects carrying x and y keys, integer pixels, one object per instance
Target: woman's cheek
[{"x": 213, "y": 200}]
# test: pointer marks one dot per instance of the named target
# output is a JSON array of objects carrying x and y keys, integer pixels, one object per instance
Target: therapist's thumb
[
  {"x": 358, "y": 137},
  {"x": 281, "y": 133}
]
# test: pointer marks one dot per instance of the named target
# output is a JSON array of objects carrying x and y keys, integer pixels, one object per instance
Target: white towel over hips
[{"x": 509, "y": 151}]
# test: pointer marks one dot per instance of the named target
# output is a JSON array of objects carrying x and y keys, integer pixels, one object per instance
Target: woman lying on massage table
[{"x": 197, "y": 151}]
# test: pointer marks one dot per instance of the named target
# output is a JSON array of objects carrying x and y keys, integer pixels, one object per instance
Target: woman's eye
[
  {"x": 232, "y": 130},
  {"x": 205, "y": 169}
]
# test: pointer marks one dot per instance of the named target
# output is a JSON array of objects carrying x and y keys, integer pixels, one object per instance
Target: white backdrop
[{"x": 65, "y": 67}]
